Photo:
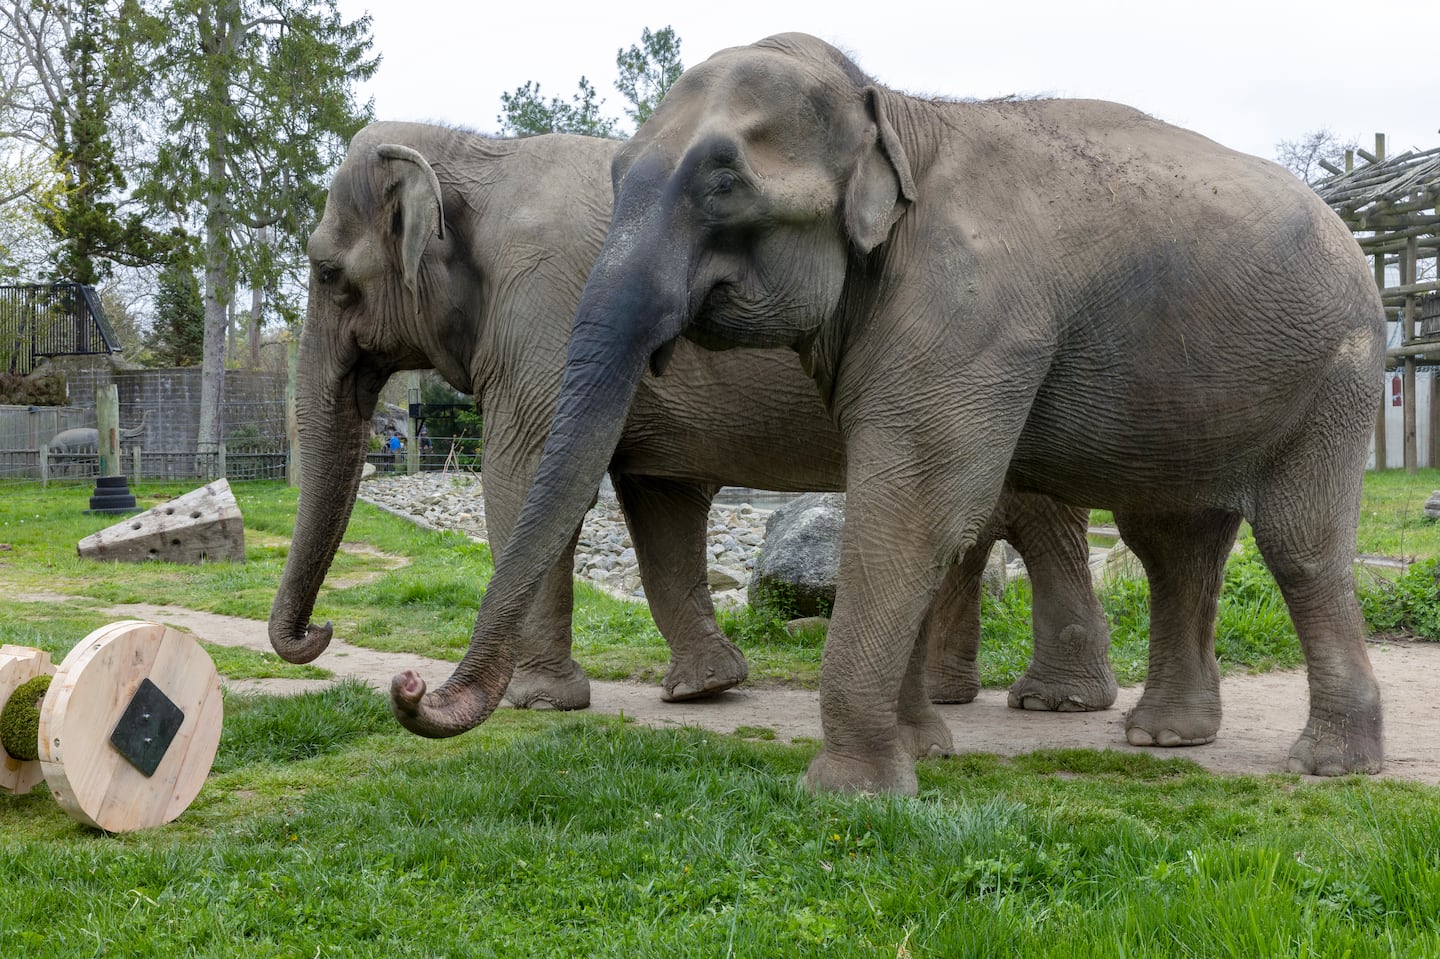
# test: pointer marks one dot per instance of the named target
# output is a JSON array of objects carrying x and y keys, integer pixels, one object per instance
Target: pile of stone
[
  {"x": 605, "y": 555},
  {"x": 800, "y": 560}
]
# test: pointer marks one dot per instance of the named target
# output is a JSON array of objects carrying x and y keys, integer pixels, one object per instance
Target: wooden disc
[
  {"x": 19, "y": 665},
  {"x": 129, "y": 696}
]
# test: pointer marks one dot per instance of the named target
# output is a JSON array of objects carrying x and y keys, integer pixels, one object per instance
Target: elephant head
[
  {"x": 379, "y": 252},
  {"x": 730, "y": 228}
]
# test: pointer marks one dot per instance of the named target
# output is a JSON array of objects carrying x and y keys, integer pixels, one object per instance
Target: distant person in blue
[{"x": 395, "y": 450}]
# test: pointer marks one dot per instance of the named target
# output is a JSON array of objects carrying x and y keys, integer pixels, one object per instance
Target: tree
[
  {"x": 526, "y": 112},
  {"x": 1305, "y": 157},
  {"x": 177, "y": 335},
  {"x": 647, "y": 71},
  {"x": 258, "y": 109},
  {"x": 80, "y": 64}
]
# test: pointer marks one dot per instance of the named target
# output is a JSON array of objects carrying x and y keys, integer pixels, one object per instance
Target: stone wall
[{"x": 168, "y": 400}]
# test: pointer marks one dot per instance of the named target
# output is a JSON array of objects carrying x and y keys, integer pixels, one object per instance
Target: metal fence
[{"x": 55, "y": 319}]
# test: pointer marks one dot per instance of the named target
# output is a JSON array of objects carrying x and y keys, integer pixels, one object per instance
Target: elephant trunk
[
  {"x": 626, "y": 317},
  {"x": 333, "y": 417}
]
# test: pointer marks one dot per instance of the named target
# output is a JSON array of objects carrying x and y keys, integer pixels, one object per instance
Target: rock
[
  {"x": 367, "y": 471},
  {"x": 807, "y": 624},
  {"x": 1432, "y": 506},
  {"x": 720, "y": 580},
  {"x": 796, "y": 569},
  {"x": 604, "y": 555}
]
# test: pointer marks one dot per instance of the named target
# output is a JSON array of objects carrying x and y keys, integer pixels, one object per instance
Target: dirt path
[{"x": 1263, "y": 714}]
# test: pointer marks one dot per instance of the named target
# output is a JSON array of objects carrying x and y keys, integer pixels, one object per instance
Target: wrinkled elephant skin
[{"x": 1065, "y": 293}]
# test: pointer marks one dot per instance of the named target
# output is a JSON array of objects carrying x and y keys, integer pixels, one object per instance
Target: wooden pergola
[{"x": 1392, "y": 205}]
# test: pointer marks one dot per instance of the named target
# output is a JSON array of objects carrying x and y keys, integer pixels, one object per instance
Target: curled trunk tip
[
  {"x": 449, "y": 711},
  {"x": 304, "y": 647}
]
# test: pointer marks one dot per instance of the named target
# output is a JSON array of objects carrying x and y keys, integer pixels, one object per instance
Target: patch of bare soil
[{"x": 1263, "y": 713}]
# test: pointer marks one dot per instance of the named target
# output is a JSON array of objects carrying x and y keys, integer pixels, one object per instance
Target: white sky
[{"x": 1247, "y": 73}]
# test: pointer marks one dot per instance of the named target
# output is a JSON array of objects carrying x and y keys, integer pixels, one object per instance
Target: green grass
[{"x": 325, "y": 831}]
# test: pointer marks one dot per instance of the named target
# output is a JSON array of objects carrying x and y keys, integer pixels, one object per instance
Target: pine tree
[
  {"x": 646, "y": 71},
  {"x": 177, "y": 335},
  {"x": 259, "y": 108}
]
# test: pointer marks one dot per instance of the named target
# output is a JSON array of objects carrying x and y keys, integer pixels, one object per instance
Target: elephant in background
[
  {"x": 69, "y": 445},
  {"x": 442, "y": 249},
  {"x": 87, "y": 438},
  {"x": 1065, "y": 296}
]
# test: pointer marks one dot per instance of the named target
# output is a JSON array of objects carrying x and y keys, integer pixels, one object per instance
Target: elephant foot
[
  {"x": 1068, "y": 694},
  {"x": 953, "y": 685},
  {"x": 926, "y": 735},
  {"x": 717, "y": 669},
  {"x": 1174, "y": 725},
  {"x": 888, "y": 771},
  {"x": 1069, "y": 674},
  {"x": 1335, "y": 744},
  {"x": 563, "y": 688}
]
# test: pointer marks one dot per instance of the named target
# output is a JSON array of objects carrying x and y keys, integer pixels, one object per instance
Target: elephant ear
[
  {"x": 422, "y": 209},
  {"x": 880, "y": 186}
]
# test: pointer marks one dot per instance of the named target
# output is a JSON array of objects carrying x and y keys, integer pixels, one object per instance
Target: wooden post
[
  {"x": 1408, "y": 324},
  {"x": 135, "y": 465},
  {"x": 1381, "y": 454},
  {"x": 44, "y": 465},
  {"x": 107, "y": 419},
  {"x": 292, "y": 425},
  {"x": 1434, "y": 420},
  {"x": 220, "y": 461}
]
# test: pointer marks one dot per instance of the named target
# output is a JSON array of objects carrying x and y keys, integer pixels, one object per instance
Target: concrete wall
[{"x": 168, "y": 400}]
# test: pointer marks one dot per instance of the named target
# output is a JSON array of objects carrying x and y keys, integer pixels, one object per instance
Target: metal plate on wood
[{"x": 147, "y": 727}]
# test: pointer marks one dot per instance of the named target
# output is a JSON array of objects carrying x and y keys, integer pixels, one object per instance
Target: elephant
[
  {"x": 447, "y": 250},
  {"x": 87, "y": 438},
  {"x": 1066, "y": 296},
  {"x": 70, "y": 446}
]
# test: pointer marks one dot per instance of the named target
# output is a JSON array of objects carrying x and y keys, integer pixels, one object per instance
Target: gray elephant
[
  {"x": 1068, "y": 294},
  {"x": 72, "y": 445},
  {"x": 443, "y": 249}
]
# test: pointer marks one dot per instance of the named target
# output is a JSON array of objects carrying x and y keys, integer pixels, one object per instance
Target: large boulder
[
  {"x": 796, "y": 571},
  {"x": 797, "y": 567}
]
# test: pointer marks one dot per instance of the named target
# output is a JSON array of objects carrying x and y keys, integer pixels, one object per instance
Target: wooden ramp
[{"x": 202, "y": 525}]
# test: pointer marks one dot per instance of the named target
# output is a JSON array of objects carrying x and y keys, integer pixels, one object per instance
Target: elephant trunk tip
[
  {"x": 303, "y": 648},
  {"x": 449, "y": 711}
]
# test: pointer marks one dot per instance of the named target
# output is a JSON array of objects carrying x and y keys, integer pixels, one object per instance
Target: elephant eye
[
  {"x": 326, "y": 274},
  {"x": 724, "y": 182}
]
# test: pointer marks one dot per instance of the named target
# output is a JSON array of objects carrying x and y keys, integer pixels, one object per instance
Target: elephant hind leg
[
  {"x": 1184, "y": 557},
  {"x": 668, "y": 521},
  {"x": 1310, "y": 551},
  {"x": 1070, "y": 669}
]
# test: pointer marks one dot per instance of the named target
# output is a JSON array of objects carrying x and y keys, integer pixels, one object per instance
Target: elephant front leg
[
  {"x": 923, "y": 731},
  {"x": 545, "y": 673},
  {"x": 668, "y": 521},
  {"x": 873, "y": 708},
  {"x": 1184, "y": 558},
  {"x": 1070, "y": 668},
  {"x": 951, "y": 632}
]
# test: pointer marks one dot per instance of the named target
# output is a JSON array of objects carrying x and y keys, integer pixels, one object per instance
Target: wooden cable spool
[{"x": 129, "y": 727}]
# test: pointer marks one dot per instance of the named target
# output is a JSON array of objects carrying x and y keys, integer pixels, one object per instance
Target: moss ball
[{"x": 20, "y": 719}]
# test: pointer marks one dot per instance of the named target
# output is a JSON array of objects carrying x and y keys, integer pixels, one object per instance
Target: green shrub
[{"x": 1409, "y": 603}]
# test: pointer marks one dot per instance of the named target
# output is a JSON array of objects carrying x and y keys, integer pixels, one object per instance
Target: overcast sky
[{"x": 1247, "y": 73}]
